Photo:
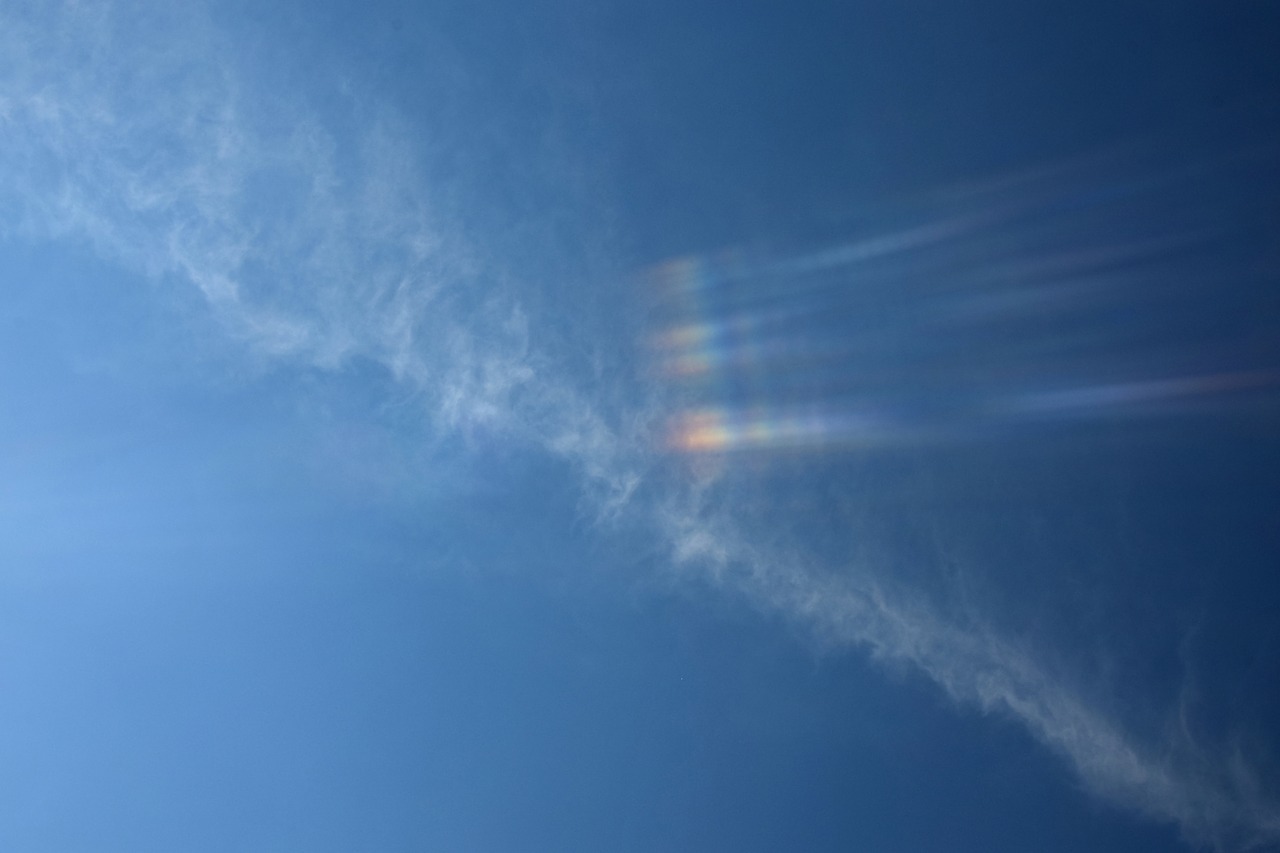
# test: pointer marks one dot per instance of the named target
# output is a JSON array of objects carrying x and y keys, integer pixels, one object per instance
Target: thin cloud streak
[
  {"x": 132, "y": 129},
  {"x": 1214, "y": 800},
  {"x": 314, "y": 247}
]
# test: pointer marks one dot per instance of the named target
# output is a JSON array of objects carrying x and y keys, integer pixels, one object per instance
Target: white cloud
[
  {"x": 313, "y": 238},
  {"x": 1214, "y": 799}
]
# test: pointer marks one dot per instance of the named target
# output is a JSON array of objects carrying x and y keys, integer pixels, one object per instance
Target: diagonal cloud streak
[
  {"x": 136, "y": 131},
  {"x": 1215, "y": 802},
  {"x": 161, "y": 160}
]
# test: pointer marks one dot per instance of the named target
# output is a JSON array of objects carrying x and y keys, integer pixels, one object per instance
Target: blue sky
[{"x": 620, "y": 426}]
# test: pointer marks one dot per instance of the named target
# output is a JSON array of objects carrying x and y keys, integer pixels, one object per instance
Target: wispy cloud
[
  {"x": 315, "y": 239},
  {"x": 1215, "y": 799}
]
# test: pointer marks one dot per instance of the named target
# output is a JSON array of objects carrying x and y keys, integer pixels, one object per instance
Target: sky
[{"x": 639, "y": 426}]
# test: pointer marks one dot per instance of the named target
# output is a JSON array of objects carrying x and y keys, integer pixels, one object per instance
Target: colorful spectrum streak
[{"x": 1021, "y": 304}]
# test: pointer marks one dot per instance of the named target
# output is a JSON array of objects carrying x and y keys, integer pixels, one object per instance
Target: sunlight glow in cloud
[{"x": 1035, "y": 306}]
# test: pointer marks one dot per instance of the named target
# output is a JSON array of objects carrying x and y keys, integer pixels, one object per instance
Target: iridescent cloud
[{"x": 1056, "y": 296}]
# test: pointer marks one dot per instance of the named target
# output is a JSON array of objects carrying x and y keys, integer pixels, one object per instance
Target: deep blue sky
[{"x": 639, "y": 426}]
